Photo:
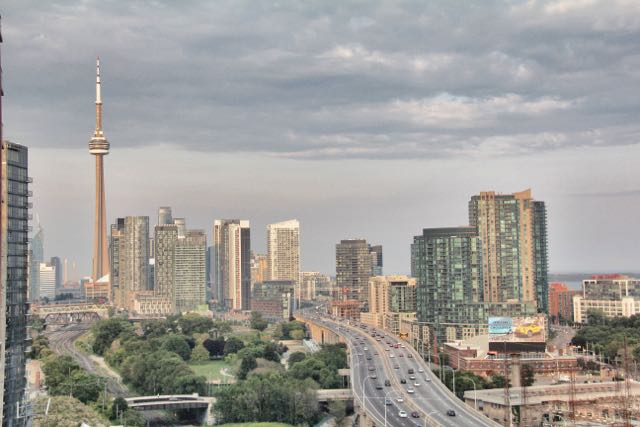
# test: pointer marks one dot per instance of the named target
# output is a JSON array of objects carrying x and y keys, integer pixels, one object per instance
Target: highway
[{"x": 430, "y": 398}]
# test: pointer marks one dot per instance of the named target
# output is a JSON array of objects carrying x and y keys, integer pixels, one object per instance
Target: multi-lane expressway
[{"x": 422, "y": 394}]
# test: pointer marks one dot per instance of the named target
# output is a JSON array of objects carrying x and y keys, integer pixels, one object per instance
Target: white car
[
  {"x": 416, "y": 384},
  {"x": 366, "y": 349},
  {"x": 410, "y": 390},
  {"x": 428, "y": 380},
  {"x": 402, "y": 414},
  {"x": 391, "y": 355},
  {"x": 420, "y": 370},
  {"x": 399, "y": 400}
]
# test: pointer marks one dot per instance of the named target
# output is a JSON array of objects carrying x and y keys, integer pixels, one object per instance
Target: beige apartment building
[
  {"x": 283, "y": 250},
  {"x": 390, "y": 297}
]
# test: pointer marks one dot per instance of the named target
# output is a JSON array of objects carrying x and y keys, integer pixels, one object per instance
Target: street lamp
[
  {"x": 475, "y": 395},
  {"x": 454, "y": 377}
]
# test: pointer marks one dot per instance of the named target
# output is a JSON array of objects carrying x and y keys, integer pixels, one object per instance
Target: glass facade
[{"x": 15, "y": 230}]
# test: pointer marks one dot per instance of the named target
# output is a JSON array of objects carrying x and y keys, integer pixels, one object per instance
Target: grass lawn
[
  {"x": 211, "y": 369},
  {"x": 255, "y": 425}
]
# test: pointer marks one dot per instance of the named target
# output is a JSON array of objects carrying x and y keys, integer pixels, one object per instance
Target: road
[
  {"x": 564, "y": 335},
  {"x": 430, "y": 398}
]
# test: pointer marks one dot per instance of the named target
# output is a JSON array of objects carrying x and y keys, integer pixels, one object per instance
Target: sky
[{"x": 368, "y": 119}]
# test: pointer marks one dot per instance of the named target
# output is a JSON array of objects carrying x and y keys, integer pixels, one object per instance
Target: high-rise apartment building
[
  {"x": 513, "y": 230},
  {"x": 116, "y": 242},
  {"x": 166, "y": 237},
  {"x": 190, "y": 271},
  {"x": 181, "y": 223},
  {"x": 389, "y": 294},
  {"x": 314, "y": 284},
  {"x": 47, "y": 280},
  {"x": 57, "y": 264},
  {"x": 376, "y": 260},
  {"x": 134, "y": 264},
  {"x": 164, "y": 215},
  {"x": 232, "y": 255},
  {"x": 36, "y": 257},
  {"x": 259, "y": 268},
  {"x": 283, "y": 250},
  {"x": 561, "y": 302},
  {"x": 353, "y": 269},
  {"x": 14, "y": 229}
]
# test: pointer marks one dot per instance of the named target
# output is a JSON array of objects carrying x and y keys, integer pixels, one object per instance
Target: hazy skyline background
[{"x": 360, "y": 119}]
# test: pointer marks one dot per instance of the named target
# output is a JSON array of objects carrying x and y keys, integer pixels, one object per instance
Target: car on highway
[
  {"x": 373, "y": 376},
  {"x": 365, "y": 349},
  {"x": 403, "y": 381},
  {"x": 410, "y": 356},
  {"x": 386, "y": 349},
  {"x": 414, "y": 414},
  {"x": 379, "y": 386},
  {"x": 416, "y": 384},
  {"x": 396, "y": 367},
  {"x": 402, "y": 414},
  {"x": 399, "y": 400},
  {"x": 451, "y": 413},
  {"x": 387, "y": 383},
  {"x": 410, "y": 371},
  {"x": 369, "y": 357},
  {"x": 410, "y": 390},
  {"x": 388, "y": 401},
  {"x": 391, "y": 355},
  {"x": 401, "y": 355},
  {"x": 371, "y": 368},
  {"x": 412, "y": 377},
  {"x": 428, "y": 380},
  {"x": 420, "y": 370}
]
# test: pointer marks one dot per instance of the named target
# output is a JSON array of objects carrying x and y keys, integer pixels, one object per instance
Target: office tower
[
  {"x": 57, "y": 264},
  {"x": 152, "y": 248},
  {"x": 313, "y": 284},
  {"x": 37, "y": 256},
  {"x": 14, "y": 227},
  {"x": 99, "y": 147},
  {"x": 283, "y": 250},
  {"x": 376, "y": 260},
  {"x": 47, "y": 279},
  {"x": 513, "y": 231},
  {"x": 134, "y": 261},
  {"x": 190, "y": 271},
  {"x": 116, "y": 242},
  {"x": 209, "y": 265},
  {"x": 259, "y": 268},
  {"x": 353, "y": 269},
  {"x": 181, "y": 223},
  {"x": 232, "y": 255},
  {"x": 165, "y": 238},
  {"x": 164, "y": 215}
]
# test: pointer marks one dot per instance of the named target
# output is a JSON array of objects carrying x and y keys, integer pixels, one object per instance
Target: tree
[
  {"x": 222, "y": 326},
  {"x": 296, "y": 357},
  {"x": 192, "y": 322},
  {"x": 527, "y": 375},
  {"x": 177, "y": 344},
  {"x": 215, "y": 347},
  {"x": 233, "y": 345},
  {"x": 39, "y": 347},
  {"x": 248, "y": 364},
  {"x": 257, "y": 322},
  {"x": 118, "y": 406},
  {"x": 270, "y": 352},
  {"x": 106, "y": 331},
  {"x": 338, "y": 409},
  {"x": 497, "y": 381},
  {"x": 199, "y": 354}
]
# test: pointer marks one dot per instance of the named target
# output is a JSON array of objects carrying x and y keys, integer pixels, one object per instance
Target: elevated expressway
[{"x": 380, "y": 405}]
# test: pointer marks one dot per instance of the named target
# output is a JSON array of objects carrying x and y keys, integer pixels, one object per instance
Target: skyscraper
[
  {"x": 513, "y": 231},
  {"x": 283, "y": 250},
  {"x": 47, "y": 280},
  {"x": 14, "y": 188},
  {"x": 36, "y": 257},
  {"x": 232, "y": 255},
  {"x": 190, "y": 271},
  {"x": 116, "y": 242},
  {"x": 134, "y": 261},
  {"x": 57, "y": 264},
  {"x": 353, "y": 269},
  {"x": 181, "y": 223},
  {"x": 166, "y": 237},
  {"x": 99, "y": 147},
  {"x": 376, "y": 260},
  {"x": 164, "y": 215}
]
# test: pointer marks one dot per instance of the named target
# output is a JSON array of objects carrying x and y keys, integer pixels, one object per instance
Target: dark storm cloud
[{"x": 314, "y": 80}]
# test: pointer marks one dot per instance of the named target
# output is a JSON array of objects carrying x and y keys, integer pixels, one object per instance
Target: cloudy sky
[{"x": 368, "y": 119}]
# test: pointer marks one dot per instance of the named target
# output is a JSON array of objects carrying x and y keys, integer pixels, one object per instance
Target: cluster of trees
[
  {"x": 155, "y": 361},
  {"x": 257, "y": 349},
  {"x": 293, "y": 330},
  {"x": 273, "y": 397},
  {"x": 465, "y": 380},
  {"x": 257, "y": 322},
  {"x": 606, "y": 336},
  {"x": 322, "y": 367},
  {"x": 64, "y": 377}
]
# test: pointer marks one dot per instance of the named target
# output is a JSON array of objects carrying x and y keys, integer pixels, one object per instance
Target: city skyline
[{"x": 501, "y": 129}]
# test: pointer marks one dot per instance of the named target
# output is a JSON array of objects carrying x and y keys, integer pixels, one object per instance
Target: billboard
[{"x": 529, "y": 329}]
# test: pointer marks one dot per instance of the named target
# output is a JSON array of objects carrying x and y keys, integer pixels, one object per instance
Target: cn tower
[{"x": 99, "y": 147}]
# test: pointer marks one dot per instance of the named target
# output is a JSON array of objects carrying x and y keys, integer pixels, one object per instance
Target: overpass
[
  {"x": 64, "y": 314},
  {"x": 320, "y": 333},
  {"x": 174, "y": 402},
  {"x": 331, "y": 394}
]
